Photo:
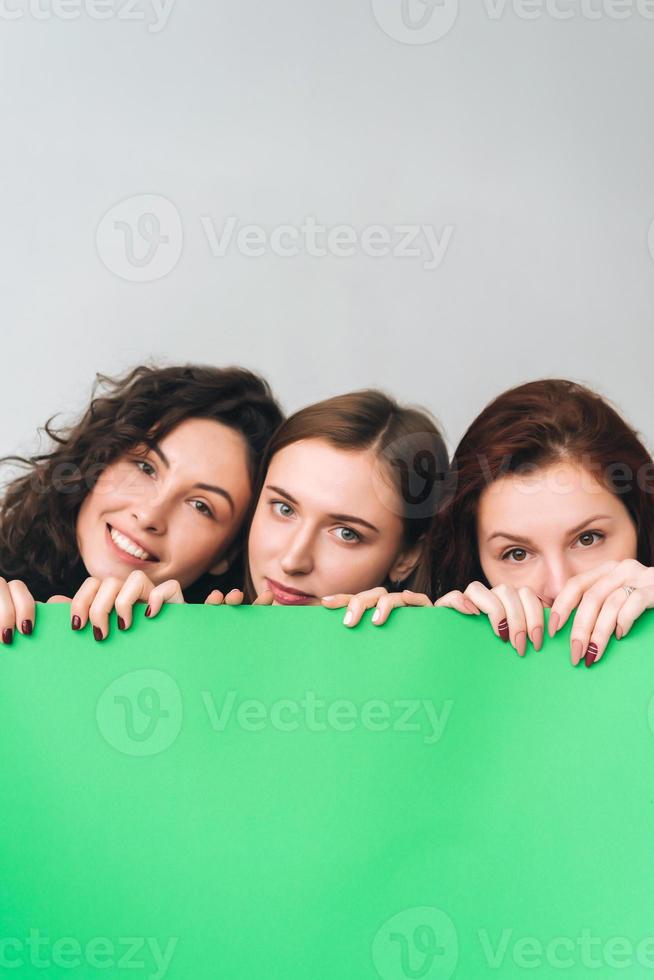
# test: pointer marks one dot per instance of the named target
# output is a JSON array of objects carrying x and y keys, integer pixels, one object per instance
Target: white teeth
[{"x": 126, "y": 545}]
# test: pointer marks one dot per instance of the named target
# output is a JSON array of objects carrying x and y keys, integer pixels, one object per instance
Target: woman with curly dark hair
[{"x": 152, "y": 483}]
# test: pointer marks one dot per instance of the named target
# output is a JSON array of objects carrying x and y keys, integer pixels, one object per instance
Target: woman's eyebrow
[
  {"x": 589, "y": 520},
  {"x": 282, "y": 493},
  {"x": 573, "y": 530},
  {"x": 509, "y": 537},
  {"x": 198, "y": 486},
  {"x": 348, "y": 519},
  {"x": 219, "y": 490},
  {"x": 161, "y": 454}
]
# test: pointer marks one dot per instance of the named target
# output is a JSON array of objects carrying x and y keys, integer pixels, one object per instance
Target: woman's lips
[
  {"x": 124, "y": 555},
  {"x": 286, "y": 596}
]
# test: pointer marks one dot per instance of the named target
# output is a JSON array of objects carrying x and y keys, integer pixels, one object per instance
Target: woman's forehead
[
  {"x": 327, "y": 477},
  {"x": 561, "y": 495}
]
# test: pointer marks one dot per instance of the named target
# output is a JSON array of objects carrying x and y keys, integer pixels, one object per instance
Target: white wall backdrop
[{"x": 507, "y": 145}]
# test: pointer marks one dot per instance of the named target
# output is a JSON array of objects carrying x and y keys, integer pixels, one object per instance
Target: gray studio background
[{"x": 521, "y": 135}]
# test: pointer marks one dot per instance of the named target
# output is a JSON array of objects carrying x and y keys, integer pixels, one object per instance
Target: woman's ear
[{"x": 406, "y": 562}]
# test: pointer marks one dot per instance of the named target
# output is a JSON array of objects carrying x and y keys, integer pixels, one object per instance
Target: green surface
[{"x": 413, "y": 801}]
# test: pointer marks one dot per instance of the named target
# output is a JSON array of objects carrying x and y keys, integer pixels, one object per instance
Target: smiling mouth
[
  {"x": 129, "y": 546},
  {"x": 287, "y": 596}
]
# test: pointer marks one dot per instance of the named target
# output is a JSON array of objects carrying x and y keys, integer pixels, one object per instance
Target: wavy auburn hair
[
  {"x": 38, "y": 511},
  {"x": 528, "y": 427},
  {"x": 406, "y": 439}
]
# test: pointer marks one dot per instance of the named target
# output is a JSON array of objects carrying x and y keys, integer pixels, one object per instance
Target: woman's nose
[
  {"x": 557, "y": 573},
  {"x": 151, "y": 513},
  {"x": 298, "y": 558}
]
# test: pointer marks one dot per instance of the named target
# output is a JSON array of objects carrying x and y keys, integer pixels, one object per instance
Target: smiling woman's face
[
  {"x": 539, "y": 531},
  {"x": 321, "y": 526},
  {"x": 172, "y": 512}
]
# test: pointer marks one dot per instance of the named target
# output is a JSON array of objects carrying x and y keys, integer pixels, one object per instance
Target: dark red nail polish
[
  {"x": 503, "y": 630},
  {"x": 148, "y": 611},
  {"x": 7, "y": 636},
  {"x": 97, "y": 633},
  {"x": 591, "y": 655},
  {"x": 76, "y": 623},
  {"x": 26, "y": 626},
  {"x": 121, "y": 623}
]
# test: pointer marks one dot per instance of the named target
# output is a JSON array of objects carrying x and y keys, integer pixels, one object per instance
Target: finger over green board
[{"x": 242, "y": 793}]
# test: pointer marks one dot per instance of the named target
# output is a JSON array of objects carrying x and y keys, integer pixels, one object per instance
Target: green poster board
[{"x": 261, "y": 794}]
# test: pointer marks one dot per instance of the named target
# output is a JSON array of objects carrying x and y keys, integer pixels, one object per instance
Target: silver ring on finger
[{"x": 629, "y": 589}]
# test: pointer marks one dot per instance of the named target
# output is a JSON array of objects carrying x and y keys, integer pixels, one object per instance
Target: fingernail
[
  {"x": 347, "y": 619},
  {"x": 469, "y": 606},
  {"x": 577, "y": 650},
  {"x": 375, "y": 616},
  {"x": 591, "y": 654},
  {"x": 521, "y": 643},
  {"x": 619, "y": 633},
  {"x": 76, "y": 623},
  {"x": 7, "y": 636},
  {"x": 326, "y": 598},
  {"x": 555, "y": 619},
  {"x": 97, "y": 633},
  {"x": 148, "y": 611},
  {"x": 503, "y": 630},
  {"x": 121, "y": 623},
  {"x": 537, "y": 638},
  {"x": 27, "y": 627}
]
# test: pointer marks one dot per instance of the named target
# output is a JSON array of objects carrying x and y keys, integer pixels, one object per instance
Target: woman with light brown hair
[
  {"x": 547, "y": 504},
  {"x": 346, "y": 495}
]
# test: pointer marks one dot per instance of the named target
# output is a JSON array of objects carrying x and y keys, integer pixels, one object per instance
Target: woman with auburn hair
[
  {"x": 548, "y": 503},
  {"x": 151, "y": 485},
  {"x": 347, "y": 493}
]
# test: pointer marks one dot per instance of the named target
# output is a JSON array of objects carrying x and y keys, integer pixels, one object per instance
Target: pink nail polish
[
  {"x": 577, "y": 651},
  {"x": 521, "y": 643},
  {"x": 619, "y": 633},
  {"x": 537, "y": 638},
  {"x": 555, "y": 619}
]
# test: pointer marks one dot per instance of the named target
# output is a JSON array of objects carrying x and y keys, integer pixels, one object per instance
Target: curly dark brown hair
[{"x": 39, "y": 508}]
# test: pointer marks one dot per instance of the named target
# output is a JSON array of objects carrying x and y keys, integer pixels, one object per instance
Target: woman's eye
[
  {"x": 202, "y": 508},
  {"x": 145, "y": 467},
  {"x": 347, "y": 534},
  {"x": 514, "y": 554},
  {"x": 282, "y": 508},
  {"x": 589, "y": 537}
]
